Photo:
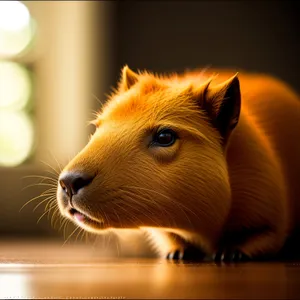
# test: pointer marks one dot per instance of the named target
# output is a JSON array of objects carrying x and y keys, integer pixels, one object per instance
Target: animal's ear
[
  {"x": 128, "y": 78},
  {"x": 223, "y": 104}
]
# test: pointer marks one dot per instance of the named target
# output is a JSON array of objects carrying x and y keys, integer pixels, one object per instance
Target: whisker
[
  {"x": 145, "y": 202},
  {"x": 128, "y": 214},
  {"x": 181, "y": 206},
  {"x": 53, "y": 213},
  {"x": 50, "y": 202},
  {"x": 39, "y": 184},
  {"x": 47, "y": 211},
  {"x": 146, "y": 189},
  {"x": 136, "y": 208},
  {"x": 47, "y": 199},
  {"x": 56, "y": 215},
  {"x": 166, "y": 197},
  {"x": 44, "y": 194},
  {"x": 98, "y": 100},
  {"x": 58, "y": 164},
  {"x": 70, "y": 235},
  {"x": 82, "y": 235},
  {"x": 52, "y": 174},
  {"x": 40, "y": 177},
  {"x": 78, "y": 234},
  {"x": 142, "y": 197},
  {"x": 56, "y": 173},
  {"x": 63, "y": 222},
  {"x": 160, "y": 206},
  {"x": 65, "y": 228}
]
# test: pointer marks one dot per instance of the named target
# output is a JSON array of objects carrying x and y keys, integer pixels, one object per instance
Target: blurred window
[{"x": 17, "y": 32}]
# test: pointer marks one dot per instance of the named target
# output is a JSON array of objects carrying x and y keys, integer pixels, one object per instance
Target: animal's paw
[
  {"x": 186, "y": 254},
  {"x": 175, "y": 255},
  {"x": 230, "y": 255}
]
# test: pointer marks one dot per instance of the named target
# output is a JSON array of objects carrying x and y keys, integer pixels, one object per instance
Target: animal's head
[{"x": 156, "y": 158}]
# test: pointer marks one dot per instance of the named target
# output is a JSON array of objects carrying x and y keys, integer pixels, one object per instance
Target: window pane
[{"x": 16, "y": 137}]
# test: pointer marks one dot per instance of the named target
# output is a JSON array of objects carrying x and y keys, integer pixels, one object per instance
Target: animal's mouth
[{"x": 82, "y": 219}]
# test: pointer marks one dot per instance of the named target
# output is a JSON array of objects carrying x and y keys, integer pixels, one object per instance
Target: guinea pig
[{"x": 205, "y": 160}]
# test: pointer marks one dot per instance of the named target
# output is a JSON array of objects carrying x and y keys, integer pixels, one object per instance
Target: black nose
[{"x": 73, "y": 182}]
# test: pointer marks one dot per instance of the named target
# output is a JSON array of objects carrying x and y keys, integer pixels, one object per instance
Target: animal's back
[
  {"x": 272, "y": 110},
  {"x": 263, "y": 161},
  {"x": 275, "y": 111}
]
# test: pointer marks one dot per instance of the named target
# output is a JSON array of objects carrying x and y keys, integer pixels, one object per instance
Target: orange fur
[{"x": 206, "y": 186}]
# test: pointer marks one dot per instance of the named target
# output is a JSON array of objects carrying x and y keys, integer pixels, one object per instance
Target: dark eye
[{"x": 164, "y": 138}]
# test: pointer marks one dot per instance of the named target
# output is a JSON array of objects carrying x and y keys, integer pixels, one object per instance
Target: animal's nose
[{"x": 71, "y": 182}]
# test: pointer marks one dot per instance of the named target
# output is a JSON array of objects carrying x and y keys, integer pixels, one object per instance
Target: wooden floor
[{"x": 48, "y": 270}]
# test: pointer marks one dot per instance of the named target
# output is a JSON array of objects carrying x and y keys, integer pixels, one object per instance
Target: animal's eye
[{"x": 164, "y": 138}]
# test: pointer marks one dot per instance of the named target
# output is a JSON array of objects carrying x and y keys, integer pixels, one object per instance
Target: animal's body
[{"x": 192, "y": 159}]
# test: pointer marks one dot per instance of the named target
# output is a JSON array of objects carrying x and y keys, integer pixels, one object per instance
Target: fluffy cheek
[
  {"x": 142, "y": 200},
  {"x": 199, "y": 186}
]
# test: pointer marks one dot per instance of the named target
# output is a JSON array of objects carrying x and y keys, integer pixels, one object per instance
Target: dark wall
[{"x": 175, "y": 35}]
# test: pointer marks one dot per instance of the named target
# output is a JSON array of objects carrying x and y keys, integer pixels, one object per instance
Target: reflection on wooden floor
[{"x": 29, "y": 270}]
